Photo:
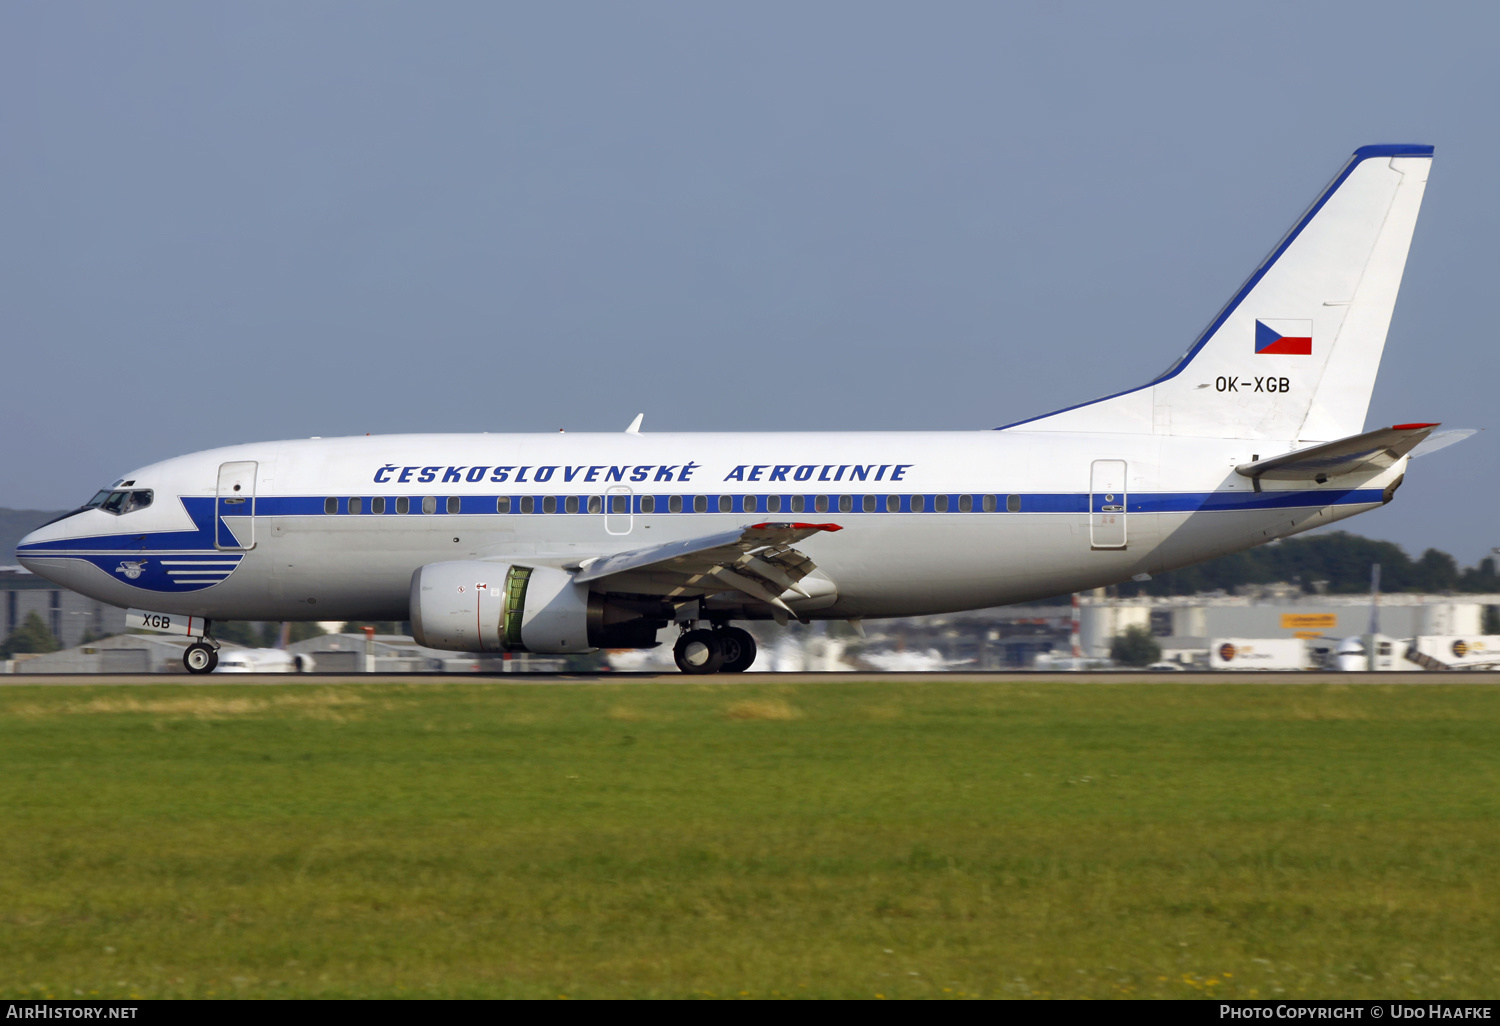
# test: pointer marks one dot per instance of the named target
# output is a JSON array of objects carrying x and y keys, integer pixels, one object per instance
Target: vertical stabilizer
[{"x": 1294, "y": 354}]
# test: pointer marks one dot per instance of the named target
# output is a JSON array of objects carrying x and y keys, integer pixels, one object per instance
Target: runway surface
[{"x": 730, "y": 680}]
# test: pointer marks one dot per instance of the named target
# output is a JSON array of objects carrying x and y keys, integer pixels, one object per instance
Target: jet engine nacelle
[{"x": 469, "y": 606}]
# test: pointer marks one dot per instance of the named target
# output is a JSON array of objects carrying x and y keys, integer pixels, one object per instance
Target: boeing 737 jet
[{"x": 563, "y": 543}]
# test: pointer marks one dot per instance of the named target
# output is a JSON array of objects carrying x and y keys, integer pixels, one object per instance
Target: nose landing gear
[
  {"x": 723, "y": 649},
  {"x": 201, "y": 657}
]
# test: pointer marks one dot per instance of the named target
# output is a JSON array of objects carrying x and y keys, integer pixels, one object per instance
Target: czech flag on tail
[{"x": 1283, "y": 338}]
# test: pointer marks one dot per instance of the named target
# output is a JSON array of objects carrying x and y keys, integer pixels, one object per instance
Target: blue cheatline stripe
[
  {"x": 201, "y": 541},
  {"x": 759, "y": 504},
  {"x": 1360, "y": 155}
]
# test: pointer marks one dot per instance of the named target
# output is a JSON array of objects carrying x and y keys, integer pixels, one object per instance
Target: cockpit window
[
  {"x": 112, "y": 500},
  {"x": 125, "y": 501}
]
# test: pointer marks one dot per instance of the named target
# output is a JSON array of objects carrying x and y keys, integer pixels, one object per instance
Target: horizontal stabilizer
[
  {"x": 1372, "y": 452},
  {"x": 1442, "y": 440}
]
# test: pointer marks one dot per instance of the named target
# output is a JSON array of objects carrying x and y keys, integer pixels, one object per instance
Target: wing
[
  {"x": 1372, "y": 451},
  {"x": 759, "y": 561}
]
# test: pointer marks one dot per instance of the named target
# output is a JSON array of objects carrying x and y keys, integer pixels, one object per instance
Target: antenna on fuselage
[{"x": 635, "y": 425}]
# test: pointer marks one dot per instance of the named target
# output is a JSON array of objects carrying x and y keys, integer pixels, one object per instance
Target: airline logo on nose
[{"x": 1283, "y": 338}]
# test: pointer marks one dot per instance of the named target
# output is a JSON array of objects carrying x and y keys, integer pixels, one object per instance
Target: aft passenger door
[
  {"x": 235, "y": 497},
  {"x": 1107, "y": 501}
]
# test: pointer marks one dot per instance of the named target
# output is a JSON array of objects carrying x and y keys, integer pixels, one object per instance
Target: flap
[
  {"x": 700, "y": 555},
  {"x": 758, "y": 561}
]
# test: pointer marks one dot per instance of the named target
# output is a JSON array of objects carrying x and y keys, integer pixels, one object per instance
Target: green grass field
[{"x": 827, "y": 840}]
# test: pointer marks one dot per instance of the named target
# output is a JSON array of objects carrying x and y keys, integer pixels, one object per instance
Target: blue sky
[{"x": 234, "y": 222}]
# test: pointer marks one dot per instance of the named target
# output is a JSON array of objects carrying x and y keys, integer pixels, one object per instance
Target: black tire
[
  {"x": 698, "y": 652},
  {"x": 739, "y": 649},
  {"x": 200, "y": 658}
]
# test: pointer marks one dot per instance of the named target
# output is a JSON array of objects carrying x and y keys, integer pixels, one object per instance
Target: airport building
[{"x": 1186, "y": 625}]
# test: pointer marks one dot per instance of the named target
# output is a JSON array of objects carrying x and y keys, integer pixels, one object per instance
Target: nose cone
[{"x": 32, "y": 550}]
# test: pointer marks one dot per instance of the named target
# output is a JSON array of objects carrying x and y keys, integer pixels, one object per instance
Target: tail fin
[{"x": 1294, "y": 354}]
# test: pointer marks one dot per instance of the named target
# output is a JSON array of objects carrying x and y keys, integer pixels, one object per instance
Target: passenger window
[
  {"x": 596, "y": 504},
  {"x": 1013, "y": 503},
  {"x": 893, "y": 504},
  {"x": 674, "y": 504},
  {"x": 868, "y": 505},
  {"x": 429, "y": 504},
  {"x": 454, "y": 504},
  {"x": 799, "y": 503},
  {"x": 749, "y": 506},
  {"x": 846, "y": 504},
  {"x": 965, "y": 503},
  {"x": 528, "y": 504},
  {"x": 917, "y": 504},
  {"x": 377, "y": 505},
  {"x": 989, "y": 503},
  {"x": 502, "y": 504},
  {"x": 619, "y": 504},
  {"x": 773, "y": 504},
  {"x": 940, "y": 503},
  {"x": 820, "y": 504},
  {"x": 648, "y": 504},
  {"x": 700, "y": 504},
  {"x": 570, "y": 504},
  {"x": 330, "y": 507},
  {"x": 726, "y": 504},
  {"x": 403, "y": 505},
  {"x": 356, "y": 505},
  {"x": 549, "y": 504}
]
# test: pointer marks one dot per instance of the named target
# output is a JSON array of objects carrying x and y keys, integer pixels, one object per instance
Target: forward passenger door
[{"x": 235, "y": 497}]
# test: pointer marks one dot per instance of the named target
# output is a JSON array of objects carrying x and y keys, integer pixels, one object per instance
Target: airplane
[
  {"x": 564, "y": 543},
  {"x": 263, "y": 660}
]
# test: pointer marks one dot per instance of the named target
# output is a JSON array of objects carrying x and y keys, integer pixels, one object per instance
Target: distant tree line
[
  {"x": 1337, "y": 562},
  {"x": 1136, "y": 647},
  {"x": 32, "y": 636}
]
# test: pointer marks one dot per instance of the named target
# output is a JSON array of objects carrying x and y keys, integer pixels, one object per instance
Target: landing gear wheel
[
  {"x": 698, "y": 652},
  {"x": 200, "y": 658},
  {"x": 739, "y": 649}
]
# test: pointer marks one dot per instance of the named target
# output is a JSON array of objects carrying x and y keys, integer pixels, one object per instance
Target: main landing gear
[
  {"x": 201, "y": 656},
  {"x": 721, "y": 650}
]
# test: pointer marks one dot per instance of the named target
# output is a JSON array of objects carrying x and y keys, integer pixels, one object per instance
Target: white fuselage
[{"x": 932, "y": 522}]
